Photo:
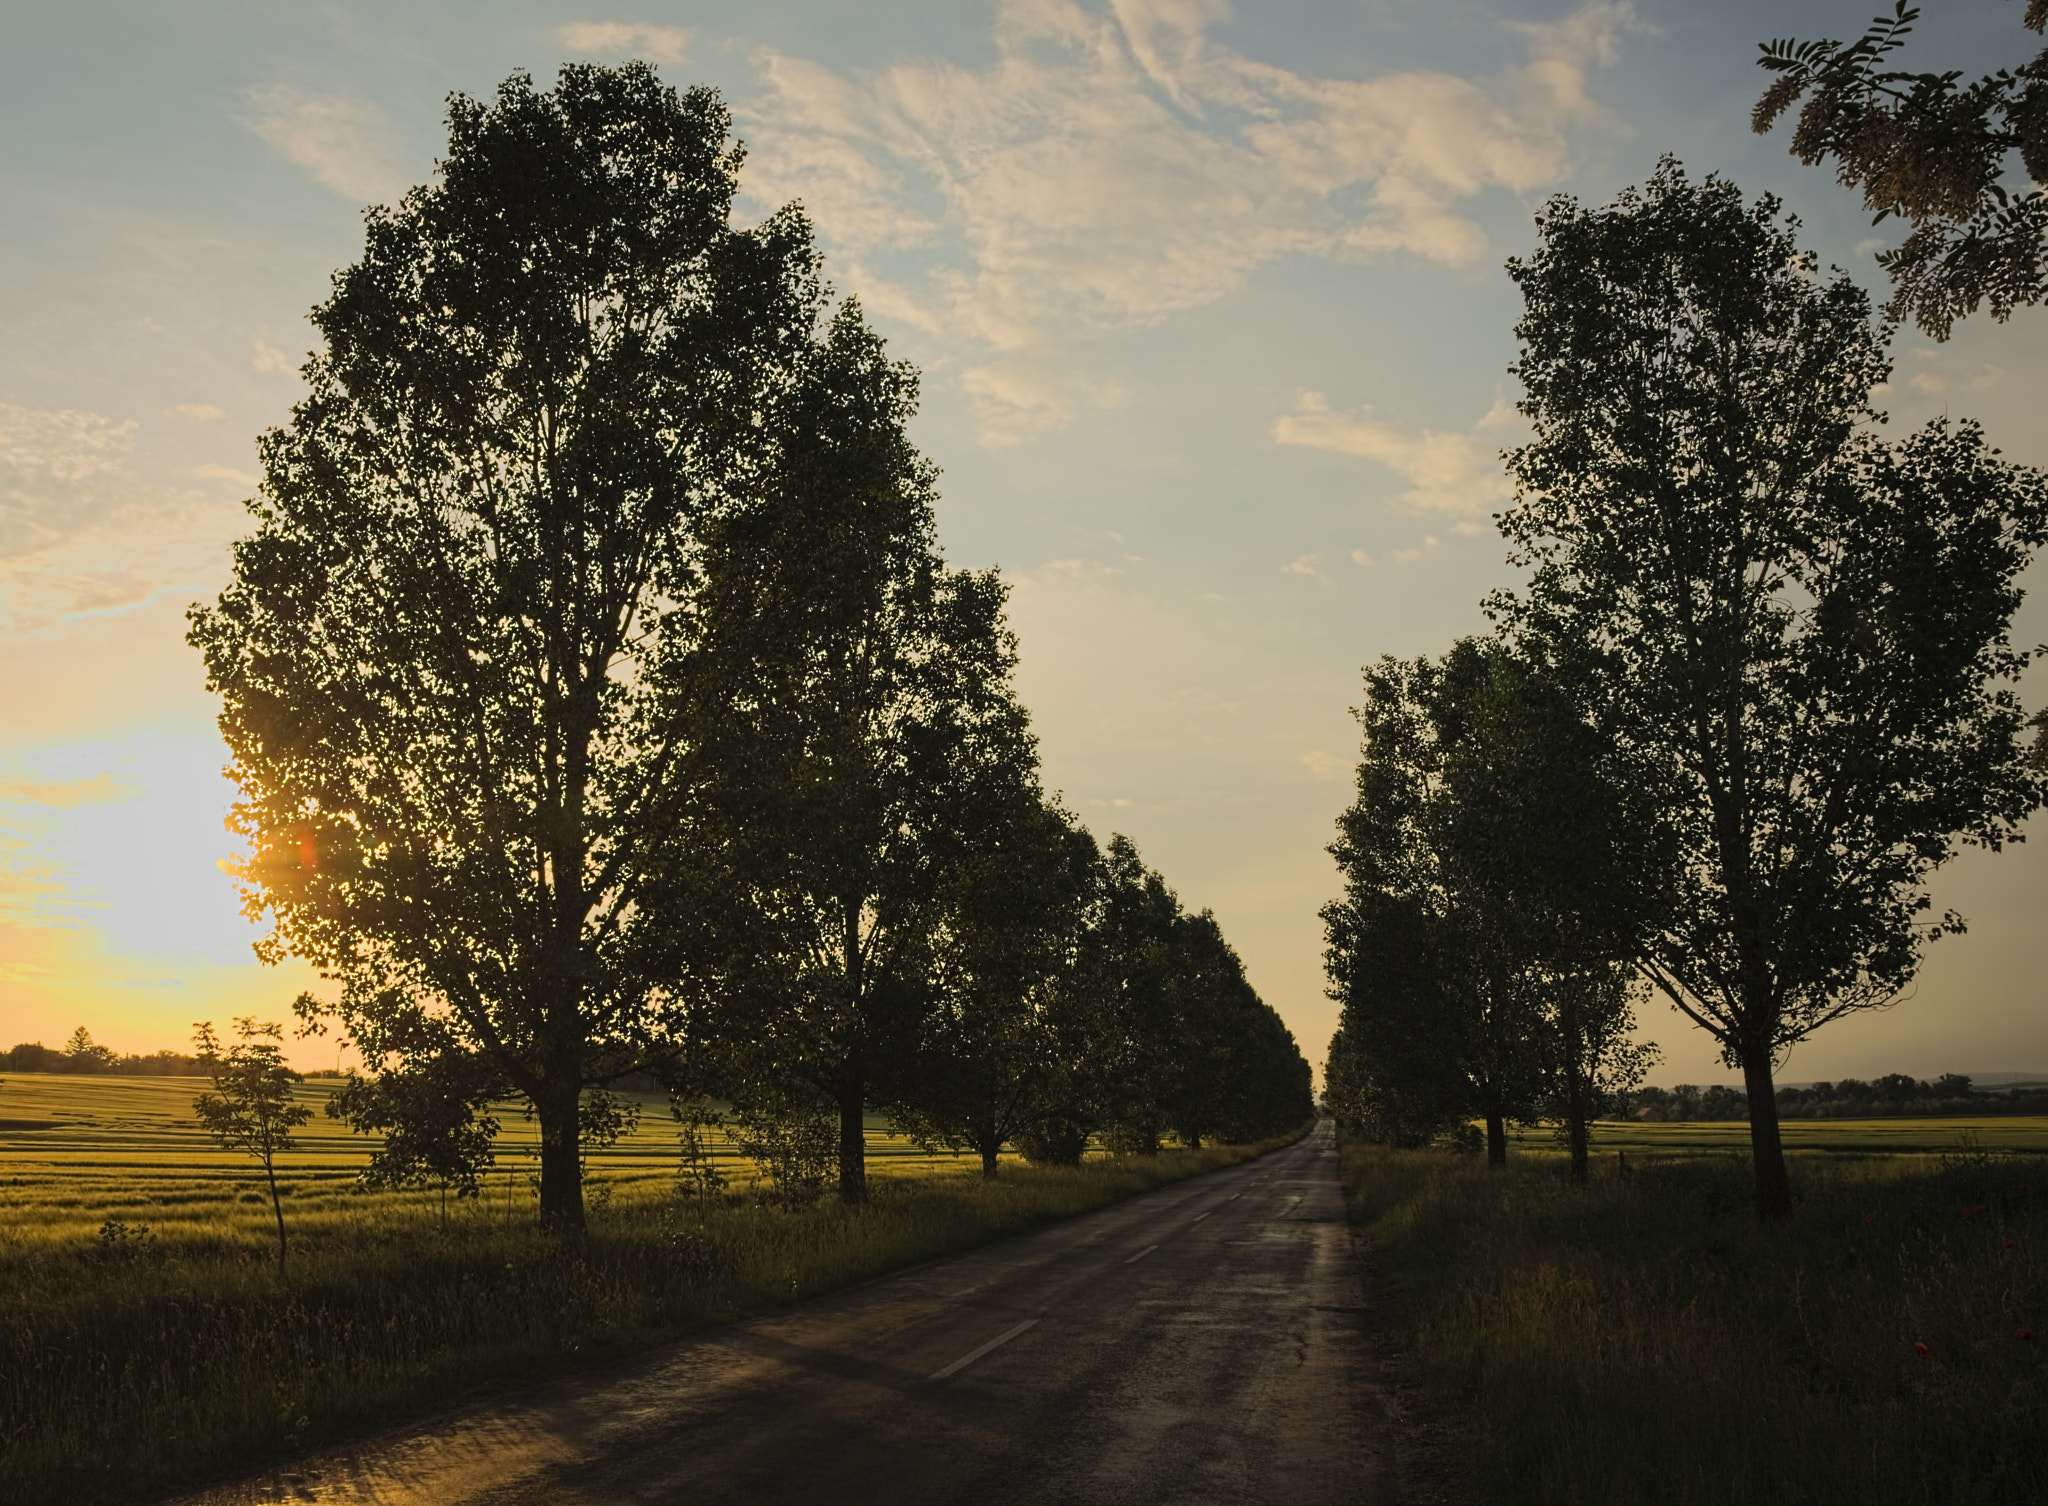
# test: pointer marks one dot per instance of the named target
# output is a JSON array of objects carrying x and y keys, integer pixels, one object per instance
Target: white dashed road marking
[{"x": 974, "y": 1354}]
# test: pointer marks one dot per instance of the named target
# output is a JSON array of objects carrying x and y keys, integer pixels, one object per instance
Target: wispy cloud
[
  {"x": 80, "y": 533},
  {"x": 1446, "y": 472},
  {"x": 1114, "y": 167},
  {"x": 55, "y": 444},
  {"x": 344, "y": 144},
  {"x": 197, "y": 413},
  {"x": 626, "y": 39},
  {"x": 267, "y": 357},
  {"x": 1326, "y": 765},
  {"x": 1942, "y": 373}
]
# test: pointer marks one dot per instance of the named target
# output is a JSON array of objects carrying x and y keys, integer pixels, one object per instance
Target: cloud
[
  {"x": 55, "y": 465},
  {"x": 1945, "y": 374},
  {"x": 1016, "y": 400},
  {"x": 267, "y": 357},
  {"x": 80, "y": 534},
  {"x": 629, "y": 39},
  {"x": 64, "y": 795},
  {"x": 1326, "y": 765},
  {"x": 198, "y": 413},
  {"x": 1306, "y": 565},
  {"x": 225, "y": 473},
  {"x": 344, "y": 144},
  {"x": 1455, "y": 473},
  {"x": 1113, "y": 167}
]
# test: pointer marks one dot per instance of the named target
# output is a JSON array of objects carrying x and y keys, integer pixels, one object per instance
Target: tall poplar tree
[
  {"x": 441, "y": 659},
  {"x": 857, "y": 745},
  {"x": 1801, "y": 630}
]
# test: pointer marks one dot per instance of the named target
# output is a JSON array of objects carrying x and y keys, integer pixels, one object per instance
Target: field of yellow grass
[
  {"x": 2019, "y": 1133},
  {"x": 77, "y": 1151}
]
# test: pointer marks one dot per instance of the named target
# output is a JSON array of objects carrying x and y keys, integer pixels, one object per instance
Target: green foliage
[
  {"x": 604, "y": 709},
  {"x": 1796, "y": 633},
  {"x": 856, "y": 742},
  {"x": 431, "y": 1116},
  {"x": 697, "y": 1173},
  {"x": 1932, "y": 150},
  {"x": 442, "y": 654},
  {"x": 1498, "y": 874},
  {"x": 1641, "y": 1338},
  {"x": 795, "y": 1141},
  {"x": 85, "y": 1055},
  {"x": 1174, "y": 1037},
  {"x": 251, "y": 1107},
  {"x": 997, "y": 1050}
]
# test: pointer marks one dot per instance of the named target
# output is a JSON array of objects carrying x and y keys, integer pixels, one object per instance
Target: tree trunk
[
  {"x": 990, "y": 1144},
  {"x": 1496, "y": 1139},
  {"x": 1766, "y": 1147},
  {"x": 1576, "y": 1107},
  {"x": 276, "y": 1207},
  {"x": 559, "y": 1106},
  {"x": 853, "y": 1145}
]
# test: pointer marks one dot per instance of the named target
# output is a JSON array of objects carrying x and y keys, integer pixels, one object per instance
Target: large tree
[
  {"x": 990, "y": 1055},
  {"x": 1550, "y": 832},
  {"x": 1799, "y": 630},
  {"x": 441, "y": 660},
  {"x": 1934, "y": 151},
  {"x": 1494, "y": 877},
  {"x": 858, "y": 745}
]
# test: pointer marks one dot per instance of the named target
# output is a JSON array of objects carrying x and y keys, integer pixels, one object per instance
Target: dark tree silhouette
[
  {"x": 989, "y": 1059},
  {"x": 1800, "y": 630},
  {"x": 442, "y": 657},
  {"x": 856, "y": 746},
  {"x": 250, "y": 1108}
]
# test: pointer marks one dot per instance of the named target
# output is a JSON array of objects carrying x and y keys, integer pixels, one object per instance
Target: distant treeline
[
  {"x": 82, "y": 1054},
  {"x": 1895, "y": 1095}
]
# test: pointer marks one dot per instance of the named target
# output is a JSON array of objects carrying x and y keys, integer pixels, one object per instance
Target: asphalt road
[{"x": 1202, "y": 1343}]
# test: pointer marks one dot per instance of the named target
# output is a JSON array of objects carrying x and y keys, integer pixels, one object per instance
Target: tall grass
[
  {"x": 1643, "y": 1339},
  {"x": 131, "y": 1362}
]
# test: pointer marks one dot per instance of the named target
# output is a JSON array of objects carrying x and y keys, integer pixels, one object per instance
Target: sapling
[{"x": 251, "y": 1108}]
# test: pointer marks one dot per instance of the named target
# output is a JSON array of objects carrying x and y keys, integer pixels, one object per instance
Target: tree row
[
  {"x": 1759, "y": 685},
  {"x": 602, "y": 703}
]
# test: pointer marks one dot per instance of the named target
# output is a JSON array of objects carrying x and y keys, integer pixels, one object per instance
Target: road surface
[{"x": 1202, "y": 1343}]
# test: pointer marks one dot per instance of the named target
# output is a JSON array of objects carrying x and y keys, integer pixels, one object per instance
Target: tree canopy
[
  {"x": 1497, "y": 879},
  {"x": 1797, "y": 629},
  {"x": 856, "y": 745},
  {"x": 442, "y": 656}
]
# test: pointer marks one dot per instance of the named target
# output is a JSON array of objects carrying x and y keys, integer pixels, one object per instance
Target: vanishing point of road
[{"x": 1201, "y": 1343}]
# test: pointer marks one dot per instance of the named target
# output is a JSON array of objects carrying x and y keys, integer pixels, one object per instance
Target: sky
[{"x": 1215, "y": 336}]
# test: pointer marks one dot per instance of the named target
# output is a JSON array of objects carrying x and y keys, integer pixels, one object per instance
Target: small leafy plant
[{"x": 250, "y": 1108}]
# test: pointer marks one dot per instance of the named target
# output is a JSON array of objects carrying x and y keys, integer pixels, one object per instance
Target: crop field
[
  {"x": 78, "y": 1151},
  {"x": 2020, "y": 1133},
  {"x": 148, "y": 1340}
]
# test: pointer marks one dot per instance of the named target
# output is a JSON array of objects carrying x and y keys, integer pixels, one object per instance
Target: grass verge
[
  {"x": 1642, "y": 1339},
  {"x": 134, "y": 1365}
]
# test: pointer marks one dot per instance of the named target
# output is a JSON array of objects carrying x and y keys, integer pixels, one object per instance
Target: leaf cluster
[{"x": 1932, "y": 149}]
